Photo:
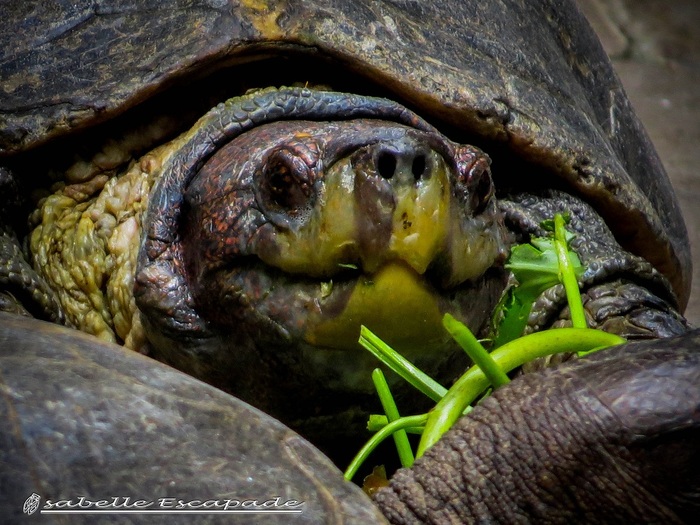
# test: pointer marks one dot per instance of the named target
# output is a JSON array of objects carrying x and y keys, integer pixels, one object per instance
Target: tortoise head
[{"x": 286, "y": 235}]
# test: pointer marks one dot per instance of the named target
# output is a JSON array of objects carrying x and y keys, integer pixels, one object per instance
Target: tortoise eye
[
  {"x": 474, "y": 183},
  {"x": 286, "y": 184}
]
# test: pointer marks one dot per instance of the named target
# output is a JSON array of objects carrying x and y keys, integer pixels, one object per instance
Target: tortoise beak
[
  {"x": 403, "y": 202},
  {"x": 402, "y": 197},
  {"x": 395, "y": 302}
]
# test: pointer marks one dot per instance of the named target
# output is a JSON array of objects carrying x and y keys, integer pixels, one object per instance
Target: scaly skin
[
  {"x": 212, "y": 131},
  {"x": 86, "y": 244}
]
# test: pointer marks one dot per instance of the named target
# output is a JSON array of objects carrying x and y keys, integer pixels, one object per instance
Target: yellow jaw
[{"x": 395, "y": 303}]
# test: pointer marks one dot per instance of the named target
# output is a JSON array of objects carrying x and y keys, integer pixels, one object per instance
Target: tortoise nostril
[
  {"x": 418, "y": 166},
  {"x": 386, "y": 164}
]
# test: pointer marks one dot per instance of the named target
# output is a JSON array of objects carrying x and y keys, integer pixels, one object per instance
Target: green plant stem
[
  {"x": 507, "y": 357},
  {"x": 567, "y": 275},
  {"x": 477, "y": 353},
  {"x": 403, "y": 447},
  {"x": 376, "y": 439},
  {"x": 379, "y": 421},
  {"x": 399, "y": 364}
]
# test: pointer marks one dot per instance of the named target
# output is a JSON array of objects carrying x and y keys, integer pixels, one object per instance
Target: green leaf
[
  {"x": 513, "y": 310},
  {"x": 536, "y": 268},
  {"x": 399, "y": 364},
  {"x": 326, "y": 288}
]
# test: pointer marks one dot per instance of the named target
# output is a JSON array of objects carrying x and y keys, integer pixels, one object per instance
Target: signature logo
[
  {"x": 167, "y": 505},
  {"x": 31, "y": 504}
]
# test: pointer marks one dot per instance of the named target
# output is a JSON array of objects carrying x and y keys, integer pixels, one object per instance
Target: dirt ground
[{"x": 655, "y": 47}]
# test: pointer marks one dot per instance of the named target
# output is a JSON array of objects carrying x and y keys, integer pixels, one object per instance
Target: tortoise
[{"x": 248, "y": 236}]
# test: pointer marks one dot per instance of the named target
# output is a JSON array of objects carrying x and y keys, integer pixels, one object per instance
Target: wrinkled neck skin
[{"x": 610, "y": 439}]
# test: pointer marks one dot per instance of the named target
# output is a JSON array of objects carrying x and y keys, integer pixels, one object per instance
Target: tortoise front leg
[
  {"x": 622, "y": 293},
  {"x": 610, "y": 438}
]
